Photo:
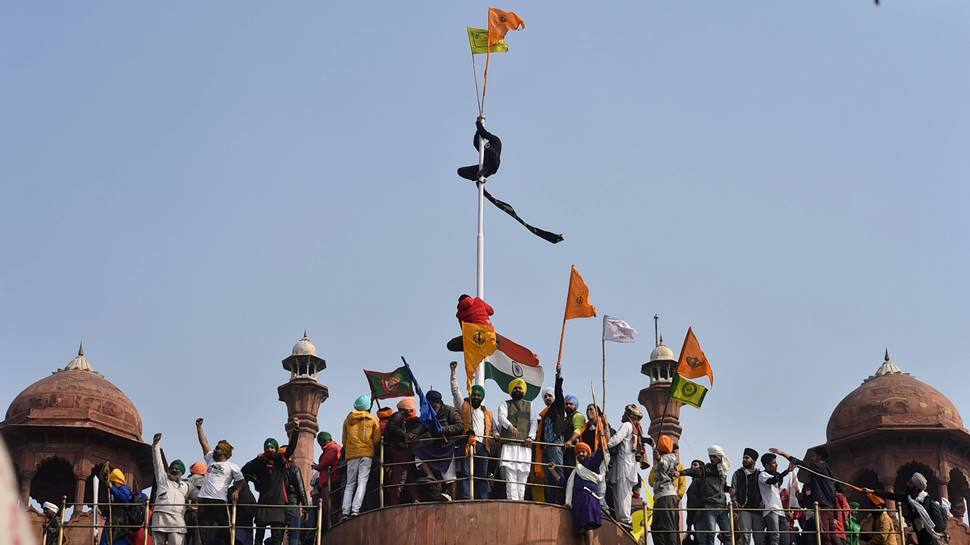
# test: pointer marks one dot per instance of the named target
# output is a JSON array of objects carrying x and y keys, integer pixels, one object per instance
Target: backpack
[{"x": 134, "y": 515}]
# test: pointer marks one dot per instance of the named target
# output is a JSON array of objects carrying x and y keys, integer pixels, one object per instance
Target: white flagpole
[
  {"x": 480, "y": 241},
  {"x": 604, "y": 363}
]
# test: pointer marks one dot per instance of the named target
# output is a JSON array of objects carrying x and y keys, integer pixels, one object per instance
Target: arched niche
[
  {"x": 54, "y": 480},
  {"x": 905, "y": 472}
]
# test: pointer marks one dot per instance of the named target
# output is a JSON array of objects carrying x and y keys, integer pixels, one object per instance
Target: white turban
[
  {"x": 918, "y": 480},
  {"x": 548, "y": 391},
  {"x": 725, "y": 465},
  {"x": 49, "y": 506}
]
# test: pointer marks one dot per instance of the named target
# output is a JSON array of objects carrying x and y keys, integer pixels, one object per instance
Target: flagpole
[
  {"x": 604, "y": 362},
  {"x": 562, "y": 335},
  {"x": 480, "y": 239}
]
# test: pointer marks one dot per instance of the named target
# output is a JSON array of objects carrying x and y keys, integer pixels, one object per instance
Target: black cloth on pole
[{"x": 507, "y": 208}]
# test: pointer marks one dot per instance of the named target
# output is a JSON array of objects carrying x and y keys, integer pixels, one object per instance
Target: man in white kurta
[
  {"x": 623, "y": 467},
  {"x": 168, "y": 519},
  {"x": 518, "y": 428}
]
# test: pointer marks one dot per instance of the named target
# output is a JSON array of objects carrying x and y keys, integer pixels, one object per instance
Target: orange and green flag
[
  {"x": 479, "y": 342},
  {"x": 693, "y": 362},
  {"x": 577, "y": 301},
  {"x": 500, "y": 23}
]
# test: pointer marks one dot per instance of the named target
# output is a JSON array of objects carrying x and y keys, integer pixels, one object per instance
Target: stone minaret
[
  {"x": 303, "y": 396},
  {"x": 664, "y": 413}
]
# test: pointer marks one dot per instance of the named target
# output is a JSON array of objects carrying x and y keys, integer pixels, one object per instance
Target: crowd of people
[{"x": 558, "y": 454}]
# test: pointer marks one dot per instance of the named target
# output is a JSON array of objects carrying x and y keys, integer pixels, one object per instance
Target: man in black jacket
[
  {"x": 821, "y": 490},
  {"x": 268, "y": 473},
  {"x": 712, "y": 479},
  {"x": 746, "y": 495},
  {"x": 493, "y": 154},
  {"x": 296, "y": 499},
  {"x": 441, "y": 446},
  {"x": 694, "y": 498}
]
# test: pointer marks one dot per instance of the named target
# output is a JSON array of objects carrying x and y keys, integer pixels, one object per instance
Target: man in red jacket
[
  {"x": 328, "y": 467},
  {"x": 473, "y": 311}
]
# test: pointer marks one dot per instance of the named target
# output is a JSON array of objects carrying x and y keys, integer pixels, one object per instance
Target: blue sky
[{"x": 186, "y": 187}]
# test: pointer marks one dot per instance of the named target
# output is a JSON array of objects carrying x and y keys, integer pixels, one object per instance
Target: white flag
[{"x": 618, "y": 331}]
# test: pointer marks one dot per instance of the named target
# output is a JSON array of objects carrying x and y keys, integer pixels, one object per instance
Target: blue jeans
[
  {"x": 483, "y": 487},
  {"x": 708, "y": 521},
  {"x": 294, "y": 519}
]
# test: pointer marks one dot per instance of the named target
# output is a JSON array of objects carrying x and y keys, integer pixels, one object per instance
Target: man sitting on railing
[
  {"x": 436, "y": 452},
  {"x": 479, "y": 423},
  {"x": 517, "y": 429},
  {"x": 223, "y": 482}
]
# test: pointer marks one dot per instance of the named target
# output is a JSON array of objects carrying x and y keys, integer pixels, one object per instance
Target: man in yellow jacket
[{"x": 362, "y": 434}]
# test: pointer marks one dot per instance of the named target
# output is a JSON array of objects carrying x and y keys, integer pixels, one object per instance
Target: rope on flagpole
[{"x": 478, "y": 99}]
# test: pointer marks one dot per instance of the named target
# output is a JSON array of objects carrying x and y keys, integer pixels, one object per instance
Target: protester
[
  {"x": 713, "y": 486},
  {"x": 769, "y": 484},
  {"x": 268, "y": 473},
  {"x": 883, "y": 532},
  {"x": 404, "y": 426},
  {"x": 840, "y": 521},
  {"x": 223, "y": 482},
  {"x": 819, "y": 488},
  {"x": 924, "y": 514},
  {"x": 361, "y": 435},
  {"x": 552, "y": 432},
  {"x": 52, "y": 524},
  {"x": 194, "y": 482},
  {"x": 622, "y": 472},
  {"x": 580, "y": 491},
  {"x": 479, "y": 425},
  {"x": 663, "y": 478},
  {"x": 296, "y": 499},
  {"x": 853, "y": 528},
  {"x": 517, "y": 429},
  {"x": 171, "y": 494},
  {"x": 575, "y": 422},
  {"x": 493, "y": 154},
  {"x": 593, "y": 433},
  {"x": 121, "y": 522},
  {"x": 695, "y": 498},
  {"x": 746, "y": 495},
  {"x": 472, "y": 310},
  {"x": 436, "y": 447},
  {"x": 328, "y": 466}
]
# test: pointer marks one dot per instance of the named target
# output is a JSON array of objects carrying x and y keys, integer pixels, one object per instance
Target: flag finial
[
  {"x": 657, "y": 337},
  {"x": 886, "y": 357},
  {"x": 80, "y": 349},
  {"x": 304, "y": 334}
]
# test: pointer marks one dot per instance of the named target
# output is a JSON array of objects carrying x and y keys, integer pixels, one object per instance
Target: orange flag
[
  {"x": 693, "y": 363},
  {"x": 577, "y": 302},
  {"x": 500, "y": 23}
]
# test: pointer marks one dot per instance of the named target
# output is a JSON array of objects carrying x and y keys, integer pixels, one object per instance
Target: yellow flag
[
  {"x": 693, "y": 362},
  {"x": 478, "y": 342},
  {"x": 478, "y": 40},
  {"x": 577, "y": 302}
]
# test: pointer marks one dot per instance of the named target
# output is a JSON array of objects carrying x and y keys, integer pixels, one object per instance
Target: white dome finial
[
  {"x": 79, "y": 362},
  {"x": 304, "y": 347}
]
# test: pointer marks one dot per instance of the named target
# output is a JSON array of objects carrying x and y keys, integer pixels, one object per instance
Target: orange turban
[
  {"x": 583, "y": 447},
  {"x": 665, "y": 444},
  {"x": 198, "y": 468},
  {"x": 407, "y": 403}
]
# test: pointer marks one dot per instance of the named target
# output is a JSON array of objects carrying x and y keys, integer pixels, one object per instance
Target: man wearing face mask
[
  {"x": 168, "y": 519},
  {"x": 479, "y": 425},
  {"x": 517, "y": 429}
]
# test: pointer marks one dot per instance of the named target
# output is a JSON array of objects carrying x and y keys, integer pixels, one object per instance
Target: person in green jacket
[{"x": 853, "y": 528}]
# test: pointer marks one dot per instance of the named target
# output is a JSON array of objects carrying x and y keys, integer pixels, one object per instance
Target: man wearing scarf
[
  {"x": 924, "y": 514},
  {"x": 52, "y": 524},
  {"x": 268, "y": 473},
  {"x": 712, "y": 479},
  {"x": 746, "y": 494},
  {"x": 479, "y": 423},
  {"x": 517, "y": 429},
  {"x": 623, "y": 467},
  {"x": 663, "y": 478},
  {"x": 403, "y": 427},
  {"x": 594, "y": 433},
  {"x": 581, "y": 489}
]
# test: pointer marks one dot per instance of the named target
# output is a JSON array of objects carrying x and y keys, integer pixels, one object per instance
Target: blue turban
[
  {"x": 362, "y": 403},
  {"x": 574, "y": 399}
]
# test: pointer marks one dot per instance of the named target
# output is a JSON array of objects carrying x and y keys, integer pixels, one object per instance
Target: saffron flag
[
  {"x": 693, "y": 363},
  {"x": 428, "y": 414},
  {"x": 618, "y": 331},
  {"x": 686, "y": 391},
  {"x": 397, "y": 383},
  {"x": 500, "y": 23},
  {"x": 478, "y": 342},
  {"x": 511, "y": 361},
  {"x": 478, "y": 40},
  {"x": 577, "y": 301}
]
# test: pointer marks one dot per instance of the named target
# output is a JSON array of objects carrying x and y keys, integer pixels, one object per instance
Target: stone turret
[{"x": 303, "y": 396}]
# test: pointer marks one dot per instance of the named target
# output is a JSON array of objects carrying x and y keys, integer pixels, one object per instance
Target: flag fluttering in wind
[
  {"x": 397, "y": 383},
  {"x": 618, "y": 331},
  {"x": 478, "y": 342},
  {"x": 478, "y": 40},
  {"x": 577, "y": 301},
  {"x": 507, "y": 208},
  {"x": 693, "y": 363},
  {"x": 511, "y": 361},
  {"x": 500, "y": 23},
  {"x": 687, "y": 391},
  {"x": 428, "y": 414}
]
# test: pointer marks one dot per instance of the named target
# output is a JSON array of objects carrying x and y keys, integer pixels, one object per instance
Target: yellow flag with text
[{"x": 478, "y": 342}]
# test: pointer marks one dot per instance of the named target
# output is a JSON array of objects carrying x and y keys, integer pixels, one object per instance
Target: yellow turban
[
  {"x": 116, "y": 477},
  {"x": 518, "y": 382}
]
